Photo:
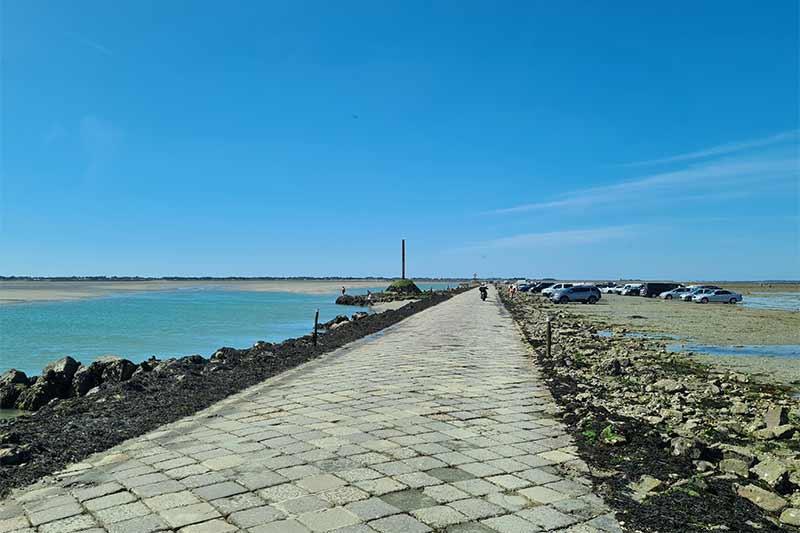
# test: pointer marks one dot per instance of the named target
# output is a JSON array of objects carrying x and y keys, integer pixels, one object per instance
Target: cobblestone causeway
[{"x": 439, "y": 423}]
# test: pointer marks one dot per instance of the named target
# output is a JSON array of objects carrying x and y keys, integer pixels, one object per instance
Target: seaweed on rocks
[
  {"x": 69, "y": 430},
  {"x": 654, "y": 427}
]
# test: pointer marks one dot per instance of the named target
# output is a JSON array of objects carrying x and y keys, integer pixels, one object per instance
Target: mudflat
[
  {"x": 722, "y": 324},
  {"x": 714, "y": 324},
  {"x": 30, "y": 291}
]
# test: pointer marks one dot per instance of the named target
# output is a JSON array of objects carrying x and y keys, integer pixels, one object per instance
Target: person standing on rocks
[
  {"x": 369, "y": 298},
  {"x": 343, "y": 290}
]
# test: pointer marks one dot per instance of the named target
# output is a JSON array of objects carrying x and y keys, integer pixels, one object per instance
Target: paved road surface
[{"x": 440, "y": 423}]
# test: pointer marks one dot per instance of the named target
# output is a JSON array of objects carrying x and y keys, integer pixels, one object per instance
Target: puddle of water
[
  {"x": 787, "y": 301},
  {"x": 635, "y": 335},
  {"x": 776, "y": 350},
  {"x": 11, "y": 413}
]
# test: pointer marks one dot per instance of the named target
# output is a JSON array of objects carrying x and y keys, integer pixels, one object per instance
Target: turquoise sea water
[{"x": 161, "y": 323}]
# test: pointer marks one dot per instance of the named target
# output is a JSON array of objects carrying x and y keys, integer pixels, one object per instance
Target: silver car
[
  {"x": 558, "y": 286},
  {"x": 718, "y": 295},
  {"x": 587, "y": 294},
  {"x": 674, "y": 293}
]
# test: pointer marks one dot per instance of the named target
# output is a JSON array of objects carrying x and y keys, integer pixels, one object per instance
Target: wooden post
[
  {"x": 316, "y": 326},
  {"x": 404, "y": 259},
  {"x": 549, "y": 337}
]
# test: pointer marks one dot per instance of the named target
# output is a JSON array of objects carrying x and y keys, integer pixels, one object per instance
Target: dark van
[{"x": 652, "y": 290}]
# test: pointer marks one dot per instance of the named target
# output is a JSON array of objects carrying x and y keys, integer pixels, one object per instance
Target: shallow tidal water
[
  {"x": 787, "y": 301},
  {"x": 161, "y": 323}
]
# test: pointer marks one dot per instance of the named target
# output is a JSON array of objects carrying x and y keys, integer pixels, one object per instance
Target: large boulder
[
  {"x": 39, "y": 394},
  {"x": 12, "y": 377},
  {"x": 59, "y": 374},
  {"x": 84, "y": 380},
  {"x": 9, "y": 394},
  {"x": 12, "y": 383},
  {"x": 117, "y": 371}
]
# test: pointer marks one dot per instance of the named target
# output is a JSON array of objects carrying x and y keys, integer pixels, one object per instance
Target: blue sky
[{"x": 565, "y": 139}]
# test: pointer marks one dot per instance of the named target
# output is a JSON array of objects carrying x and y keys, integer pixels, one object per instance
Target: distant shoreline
[{"x": 18, "y": 291}]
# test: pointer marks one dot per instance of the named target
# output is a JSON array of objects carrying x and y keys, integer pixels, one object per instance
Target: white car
[
  {"x": 675, "y": 293},
  {"x": 558, "y": 286},
  {"x": 702, "y": 289},
  {"x": 631, "y": 289},
  {"x": 717, "y": 295}
]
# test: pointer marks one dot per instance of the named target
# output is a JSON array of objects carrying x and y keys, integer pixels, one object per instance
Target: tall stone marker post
[{"x": 404, "y": 259}]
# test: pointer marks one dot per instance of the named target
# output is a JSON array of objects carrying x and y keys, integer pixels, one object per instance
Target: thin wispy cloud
[
  {"x": 91, "y": 44},
  {"x": 723, "y": 149},
  {"x": 560, "y": 238},
  {"x": 712, "y": 178}
]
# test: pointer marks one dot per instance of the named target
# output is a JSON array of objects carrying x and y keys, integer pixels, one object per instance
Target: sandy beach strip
[{"x": 18, "y": 291}]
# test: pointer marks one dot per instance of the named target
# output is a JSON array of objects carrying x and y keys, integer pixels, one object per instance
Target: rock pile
[
  {"x": 65, "y": 378},
  {"x": 709, "y": 428}
]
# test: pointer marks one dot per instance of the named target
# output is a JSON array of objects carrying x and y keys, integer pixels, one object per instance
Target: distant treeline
[{"x": 209, "y": 278}]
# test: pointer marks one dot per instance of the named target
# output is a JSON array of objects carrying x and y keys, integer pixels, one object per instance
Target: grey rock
[
  {"x": 9, "y": 394},
  {"x": 735, "y": 466},
  {"x": 83, "y": 381},
  {"x": 772, "y": 472},
  {"x": 776, "y": 415},
  {"x": 791, "y": 517},
  {"x": 769, "y": 501},
  {"x": 13, "y": 377}
]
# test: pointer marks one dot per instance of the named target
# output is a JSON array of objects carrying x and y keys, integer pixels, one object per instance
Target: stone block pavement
[{"x": 439, "y": 423}]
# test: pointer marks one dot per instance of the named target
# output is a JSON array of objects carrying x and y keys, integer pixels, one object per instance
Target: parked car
[
  {"x": 616, "y": 289},
  {"x": 526, "y": 287},
  {"x": 587, "y": 294},
  {"x": 718, "y": 295},
  {"x": 549, "y": 290},
  {"x": 631, "y": 289},
  {"x": 653, "y": 290},
  {"x": 539, "y": 287},
  {"x": 704, "y": 289},
  {"x": 677, "y": 292}
]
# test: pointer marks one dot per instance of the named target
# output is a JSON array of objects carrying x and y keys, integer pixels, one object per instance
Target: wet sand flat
[
  {"x": 715, "y": 324},
  {"x": 702, "y": 323},
  {"x": 31, "y": 291}
]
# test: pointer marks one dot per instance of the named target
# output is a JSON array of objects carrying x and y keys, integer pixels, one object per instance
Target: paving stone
[
  {"x": 54, "y": 513},
  {"x": 13, "y": 524},
  {"x": 417, "y": 479},
  {"x": 68, "y": 525},
  {"x": 239, "y": 502},
  {"x": 256, "y": 516},
  {"x": 547, "y": 518},
  {"x": 371, "y": 509},
  {"x": 156, "y": 489},
  {"x": 189, "y": 514},
  {"x": 343, "y": 495},
  {"x": 542, "y": 495},
  {"x": 320, "y": 483},
  {"x": 439, "y": 516},
  {"x": 111, "y": 500},
  {"x": 172, "y": 500},
  {"x": 401, "y": 523},
  {"x": 510, "y": 524},
  {"x": 380, "y": 486},
  {"x": 260, "y": 480},
  {"x": 409, "y": 500},
  {"x": 303, "y": 504},
  {"x": 328, "y": 520},
  {"x": 219, "y": 490},
  {"x": 122, "y": 512},
  {"x": 143, "y": 524},
  {"x": 90, "y": 493},
  {"x": 279, "y": 493},
  {"x": 445, "y": 493},
  {"x": 476, "y": 508}
]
